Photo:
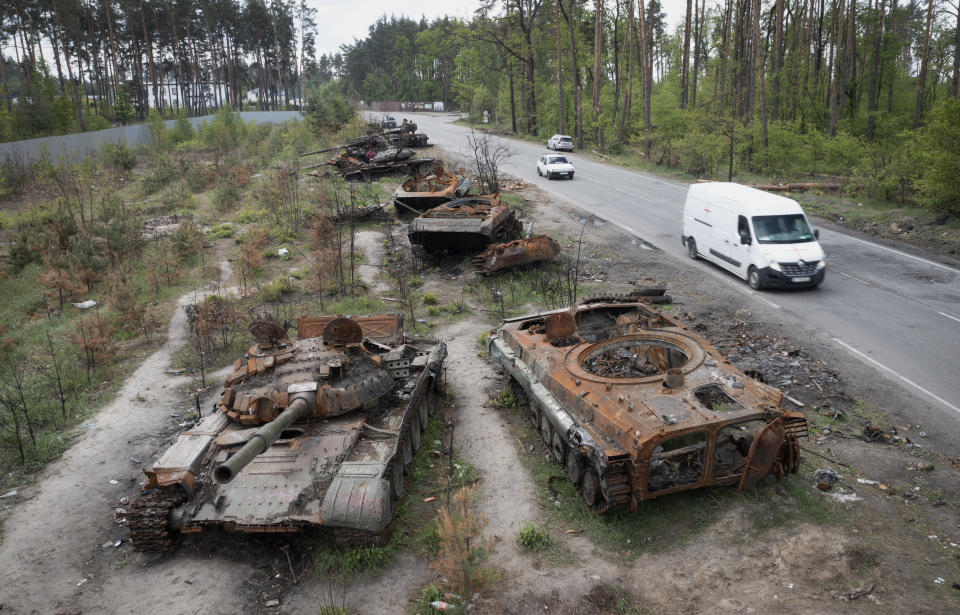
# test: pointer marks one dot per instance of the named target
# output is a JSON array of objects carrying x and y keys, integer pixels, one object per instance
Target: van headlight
[
  {"x": 821, "y": 264},
  {"x": 773, "y": 265}
]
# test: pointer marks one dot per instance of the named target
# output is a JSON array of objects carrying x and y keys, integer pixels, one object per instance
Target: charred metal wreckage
[
  {"x": 634, "y": 406},
  {"x": 319, "y": 431}
]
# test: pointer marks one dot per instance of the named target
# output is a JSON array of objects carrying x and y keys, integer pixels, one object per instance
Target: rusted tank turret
[
  {"x": 465, "y": 225},
  {"x": 502, "y": 256},
  {"x": 430, "y": 189},
  {"x": 313, "y": 432},
  {"x": 634, "y": 406}
]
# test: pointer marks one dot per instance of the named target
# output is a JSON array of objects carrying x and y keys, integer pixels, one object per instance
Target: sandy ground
[{"x": 58, "y": 553}]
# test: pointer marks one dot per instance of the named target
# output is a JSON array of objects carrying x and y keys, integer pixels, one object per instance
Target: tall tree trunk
[
  {"x": 646, "y": 62},
  {"x": 777, "y": 60},
  {"x": 276, "y": 43},
  {"x": 955, "y": 83},
  {"x": 108, "y": 9},
  {"x": 54, "y": 42},
  {"x": 685, "y": 67},
  {"x": 725, "y": 54},
  {"x": 835, "y": 63},
  {"x": 699, "y": 18},
  {"x": 559, "y": 69},
  {"x": 575, "y": 75},
  {"x": 66, "y": 56},
  {"x": 849, "y": 65},
  {"x": 628, "y": 95},
  {"x": 874, "y": 75},
  {"x": 153, "y": 69},
  {"x": 513, "y": 105},
  {"x": 3, "y": 80},
  {"x": 757, "y": 42},
  {"x": 597, "y": 52},
  {"x": 922, "y": 77}
]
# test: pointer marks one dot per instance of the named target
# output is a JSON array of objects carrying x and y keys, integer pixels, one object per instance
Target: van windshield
[{"x": 790, "y": 228}]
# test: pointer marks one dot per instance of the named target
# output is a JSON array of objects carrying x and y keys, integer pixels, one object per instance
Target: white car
[
  {"x": 554, "y": 165},
  {"x": 560, "y": 142}
]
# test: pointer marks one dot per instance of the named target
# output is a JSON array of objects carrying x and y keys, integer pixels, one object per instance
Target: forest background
[{"x": 862, "y": 90}]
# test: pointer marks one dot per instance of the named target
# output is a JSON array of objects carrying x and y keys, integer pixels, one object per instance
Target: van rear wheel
[
  {"x": 753, "y": 279},
  {"x": 692, "y": 248}
]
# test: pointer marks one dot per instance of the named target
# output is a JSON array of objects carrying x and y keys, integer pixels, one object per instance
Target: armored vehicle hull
[
  {"x": 464, "y": 225},
  {"x": 635, "y": 406},
  {"x": 426, "y": 191},
  {"x": 314, "y": 432}
]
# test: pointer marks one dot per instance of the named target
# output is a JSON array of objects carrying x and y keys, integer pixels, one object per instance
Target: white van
[{"x": 763, "y": 238}]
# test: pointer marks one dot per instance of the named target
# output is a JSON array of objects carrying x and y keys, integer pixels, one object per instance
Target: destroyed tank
[
  {"x": 426, "y": 191},
  {"x": 319, "y": 431},
  {"x": 635, "y": 406},
  {"x": 467, "y": 224}
]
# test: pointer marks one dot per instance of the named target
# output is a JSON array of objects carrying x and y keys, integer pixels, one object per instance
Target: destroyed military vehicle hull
[
  {"x": 314, "y": 432},
  {"x": 502, "y": 256},
  {"x": 465, "y": 225},
  {"x": 634, "y": 406},
  {"x": 426, "y": 191}
]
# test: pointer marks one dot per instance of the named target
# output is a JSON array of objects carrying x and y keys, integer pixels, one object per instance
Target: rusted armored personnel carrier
[
  {"x": 635, "y": 406},
  {"x": 313, "y": 432},
  {"x": 430, "y": 189},
  {"x": 467, "y": 224}
]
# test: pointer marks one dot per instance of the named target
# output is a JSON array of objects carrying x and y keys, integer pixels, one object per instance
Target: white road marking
[
  {"x": 880, "y": 365},
  {"x": 639, "y": 196},
  {"x": 850, "y": 276},
  {"x": 916, "y": 258},
  {"x": 593, "y": 181},
  {"x": 949, "y": 316}
]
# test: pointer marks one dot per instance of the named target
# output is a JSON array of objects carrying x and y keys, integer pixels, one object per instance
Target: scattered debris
[
  {"x": 825, "y": 478},
  {"x": 9, "y": 494},
  {"x": 501, "y": 256},
  {"x": 83, "y": 305},
  {"x": 860, "y": 593}
]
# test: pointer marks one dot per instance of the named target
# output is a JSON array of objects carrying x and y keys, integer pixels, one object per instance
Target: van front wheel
[
  {"x": 692, "y": 248},
  {"x": 753, "y": 279}
]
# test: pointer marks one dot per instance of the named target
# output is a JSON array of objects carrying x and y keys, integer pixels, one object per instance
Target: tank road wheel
[
  {"x": 574, "y": 467},
  {"x": 415, "y": 433},
  {"x": 557, "y": 447},
  {"x": 590, "y": 488},
  {"x": 692, "y": 248},
  {"x": 396, "y": 479},
  {"x": 546, "y": 433}
]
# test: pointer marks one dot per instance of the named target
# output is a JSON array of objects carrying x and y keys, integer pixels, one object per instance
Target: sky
[{"x": 341, "y": 22}]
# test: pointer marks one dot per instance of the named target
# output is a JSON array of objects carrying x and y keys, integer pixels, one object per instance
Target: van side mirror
[
  {"x": 816, "y": 233},
  {"x": 745, "y": 238}
]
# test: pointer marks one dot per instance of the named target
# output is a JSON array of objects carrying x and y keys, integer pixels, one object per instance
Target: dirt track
[{"x": 58, "y": 553}]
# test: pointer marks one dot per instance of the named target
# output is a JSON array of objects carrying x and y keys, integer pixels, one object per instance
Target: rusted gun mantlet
[
  {"x": 635, "y": 406},
  {"x": 501, "y": 256}
]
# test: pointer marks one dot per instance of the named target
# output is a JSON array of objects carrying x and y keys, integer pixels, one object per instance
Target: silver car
[{"x": 560, "y": 142}]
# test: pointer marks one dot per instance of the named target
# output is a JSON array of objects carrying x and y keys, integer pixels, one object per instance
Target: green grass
[{"x": 533, "y": 538}]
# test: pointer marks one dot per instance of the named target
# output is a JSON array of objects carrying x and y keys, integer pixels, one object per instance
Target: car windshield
[
  {"x": 790, "y": 228},
  {"x": 556, "y": 160},
  {"x": 566, "y": 140}
]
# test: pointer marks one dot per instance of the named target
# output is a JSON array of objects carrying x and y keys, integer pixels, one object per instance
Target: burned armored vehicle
[
  {"x": 317, "y": 431},
  {"x": 516, "y": 253},
  {"x": 430, "y": 189},
  {"x": 635, "y": 406},
  {"x": 467, "y": 224}
]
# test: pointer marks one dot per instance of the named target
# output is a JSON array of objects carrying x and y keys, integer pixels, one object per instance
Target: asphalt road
[{"x": 895, "y": 312}]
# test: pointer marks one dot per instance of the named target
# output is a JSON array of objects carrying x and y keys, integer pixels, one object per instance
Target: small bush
[
  {"x": 429, "y": 298},
  {"x": 199, "y": 177},
  {"x": 119, "y": 156},
  {"x": 504, "y": 399},
  {"x": 226, "y": 195},
  {"x": 276, "y": 289},
  {"x": 163, "y": 174},
  {"x": 532, "y": 538},
  {"x": 221, "y": 231}
]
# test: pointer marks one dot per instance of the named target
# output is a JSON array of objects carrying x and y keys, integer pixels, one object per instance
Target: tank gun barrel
[
  {"x": 262, "y": 440},
  {"x": 322, "y": 151}
]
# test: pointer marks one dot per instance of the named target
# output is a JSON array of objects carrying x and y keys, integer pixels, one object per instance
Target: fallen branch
[{"x": 862, "y": 592}]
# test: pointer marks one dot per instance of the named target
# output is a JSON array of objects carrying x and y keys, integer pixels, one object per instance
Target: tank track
[
  {"x": 352, "y": 537},
  {"x": 611, "y": 298},
  {"x": 615, "y": 486},
  {"x": 147, "y": 519}
]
